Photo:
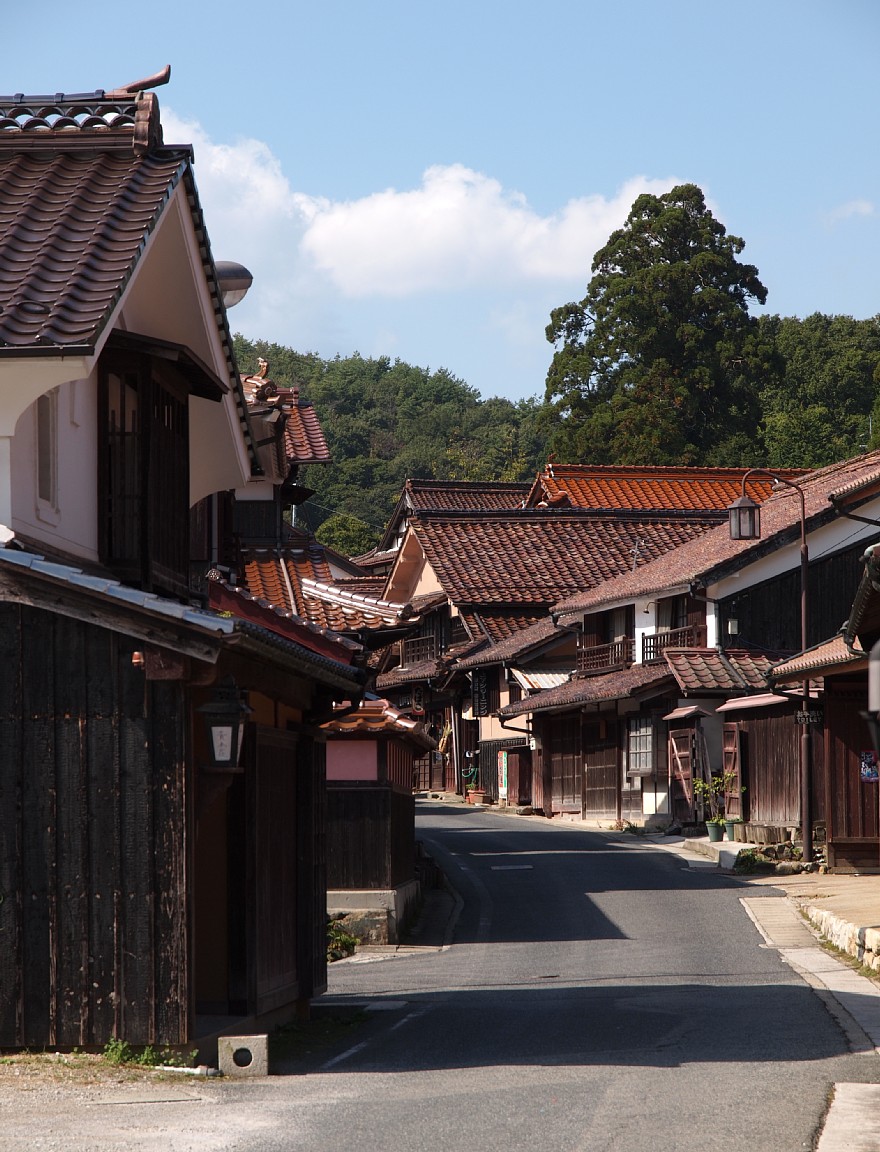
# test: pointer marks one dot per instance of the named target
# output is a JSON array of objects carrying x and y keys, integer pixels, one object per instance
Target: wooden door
[
  {"x": 681, "y": 771},
  {"x": 731, "y": 752}
]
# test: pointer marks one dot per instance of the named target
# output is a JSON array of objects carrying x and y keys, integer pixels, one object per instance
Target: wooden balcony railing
[
  {"x": 604, "y": 657},
  {"x": 694, "y": 636}
]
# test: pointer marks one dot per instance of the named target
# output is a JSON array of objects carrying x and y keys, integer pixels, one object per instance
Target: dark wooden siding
[
  {"x": 93, "y": 832},
  {"x": 769, "y": 752},
  {"x": 273, "y": 804},
  {"x": 563, "y": 747},
  {"x": 853, "y": 841},
  {"x": 769, "y": 614},
  {"x": 311, "y": 865},
  {"x": 371, "y": 836},
  {"x": 601, "y": 769}
]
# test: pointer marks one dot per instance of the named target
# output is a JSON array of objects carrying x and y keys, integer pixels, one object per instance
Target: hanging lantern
[{"x": 225, "y": 718}]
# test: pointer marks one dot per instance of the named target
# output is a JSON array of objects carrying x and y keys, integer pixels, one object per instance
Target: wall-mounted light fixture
[
  {"x": 732, "y": 626},
  {"x": 225, "y": 717}
]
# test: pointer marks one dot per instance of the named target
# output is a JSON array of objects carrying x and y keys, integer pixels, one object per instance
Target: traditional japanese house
[
  {"x": 706, "y": 602},
  {"x": 499, "y": 572},
  {"x": 157, "y": 886}
]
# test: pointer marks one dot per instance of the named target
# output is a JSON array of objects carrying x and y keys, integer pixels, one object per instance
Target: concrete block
[{"x": 243, "y": 1055}]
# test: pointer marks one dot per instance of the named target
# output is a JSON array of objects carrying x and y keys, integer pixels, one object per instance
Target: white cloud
[
  {"x": 459, "y": 228},
  {"x": 848, "y": 210},
  {"x": 457, "y": 271}
]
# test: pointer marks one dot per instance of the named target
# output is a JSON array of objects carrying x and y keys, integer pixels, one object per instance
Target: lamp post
[{"x": 745, "y": 524}]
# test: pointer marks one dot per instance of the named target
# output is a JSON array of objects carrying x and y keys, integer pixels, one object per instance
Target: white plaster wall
[{"x": 75, "y": 528}]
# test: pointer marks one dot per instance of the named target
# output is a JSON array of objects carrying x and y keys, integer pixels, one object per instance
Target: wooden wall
[
  {"x": 370, "y": 836},
  {"x": 93, "y": 839}
]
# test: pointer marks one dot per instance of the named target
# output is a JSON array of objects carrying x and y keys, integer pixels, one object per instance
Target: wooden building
[
  {"x": 146, "y": 895},
  {"x": 371, "y": 847}
]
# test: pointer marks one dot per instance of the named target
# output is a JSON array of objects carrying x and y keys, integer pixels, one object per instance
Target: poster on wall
[
  {"x": 869, "y": 770},
  {"x": 502, "y": 775}
]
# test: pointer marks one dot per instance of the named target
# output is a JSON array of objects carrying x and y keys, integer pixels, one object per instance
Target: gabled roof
[
  {"x": 661, "y": 488},
  {"x": 378, "y": 718},
  {"x": 300, "y": 439},
  {"x": 84, "y": 182},
  {"x": 420, "y": 496},
  {"x": 713, "y": 554},
  {"x": 537, "y": 557},
  {"x": 298, "y": 580}
]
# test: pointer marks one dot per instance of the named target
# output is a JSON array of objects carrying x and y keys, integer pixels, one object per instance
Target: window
[
  {"x": 143, "y": 472},
  {"x": 47, "y": 456},
  {"x": 640, "y": 759}
]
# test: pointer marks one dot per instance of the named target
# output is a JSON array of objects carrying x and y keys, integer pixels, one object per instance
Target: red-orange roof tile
[
  {"x": 713, "y": 551},
  {"x": 662, "y": 488}
]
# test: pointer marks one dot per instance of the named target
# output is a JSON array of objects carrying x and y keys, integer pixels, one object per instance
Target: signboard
[
  {"x": 502, "y": 775},
  {"x": 480, "y": 692},
  {"x": 814, "y": 716}
]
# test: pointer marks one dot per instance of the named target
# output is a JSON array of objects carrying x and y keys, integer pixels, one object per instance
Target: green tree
[
  {"x": 825, "y": 406},
  {"x": 657, "y": 364}
]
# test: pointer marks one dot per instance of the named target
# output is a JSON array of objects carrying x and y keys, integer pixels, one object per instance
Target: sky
[{"x": 428, "y": 181}]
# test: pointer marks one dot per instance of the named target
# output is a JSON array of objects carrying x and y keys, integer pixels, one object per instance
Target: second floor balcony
[
  {"x": 605, "y": 657},
  {"x": 653, "y": 646}
]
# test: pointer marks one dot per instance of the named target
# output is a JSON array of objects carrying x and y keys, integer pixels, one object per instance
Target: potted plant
[
  {"x": 711, "y": 792},
  {"x": 730, "y": 823}
]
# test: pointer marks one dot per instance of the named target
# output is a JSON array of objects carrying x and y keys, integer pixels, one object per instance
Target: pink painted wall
[{"x": 352, "y": 760}]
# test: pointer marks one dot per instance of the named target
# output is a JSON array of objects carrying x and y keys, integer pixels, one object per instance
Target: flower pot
[
  {"x": 476, "y": 796},
  {"x": 716, "y": 832},
  {"x": 730, "y": 827}
]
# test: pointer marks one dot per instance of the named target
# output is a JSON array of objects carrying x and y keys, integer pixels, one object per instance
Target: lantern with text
[{"x": 225, "y": 717}]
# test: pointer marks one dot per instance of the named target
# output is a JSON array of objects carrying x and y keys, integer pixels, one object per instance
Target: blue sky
[{"x": 428, "y": 181}]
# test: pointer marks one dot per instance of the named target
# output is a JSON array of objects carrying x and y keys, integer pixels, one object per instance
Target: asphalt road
[{"x": 598, "y": 994}]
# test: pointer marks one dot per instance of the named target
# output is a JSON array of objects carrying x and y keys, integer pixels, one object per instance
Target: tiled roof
[
  {"x": 84, "y": 182},
  {"x": 302, "y": 438},
  {"x": 299, "y": 580},
  {"x": 412, "y": 673},
  {"x": 426, "y": 496},
  {"x": 498, "y": 626},
  {"x": 463, "y": 496},
  {"x": 707, "y": 669},
  {"x": 538, "y": 557},
  {"x": 713, "y": 552},
  {"x": 378, "y": 718},
  {"x": 167, "y": 623},
  {"x": 73, "y": 226},
  {"x": 592, "y": 690},
  {"x": 517, "y": 645},
  {"x": 832, "y": 653},
  {"x": 660, "y": 488}
]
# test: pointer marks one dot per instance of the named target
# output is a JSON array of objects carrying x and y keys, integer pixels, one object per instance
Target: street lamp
[
  {"x": 745, "y": 524},
  {"x": 225, "y": 717}
]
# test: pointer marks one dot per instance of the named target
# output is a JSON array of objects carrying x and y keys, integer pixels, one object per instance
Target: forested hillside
[
  {"x": 815, "y": 402},
  {"x": 386, "y": 421}
]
